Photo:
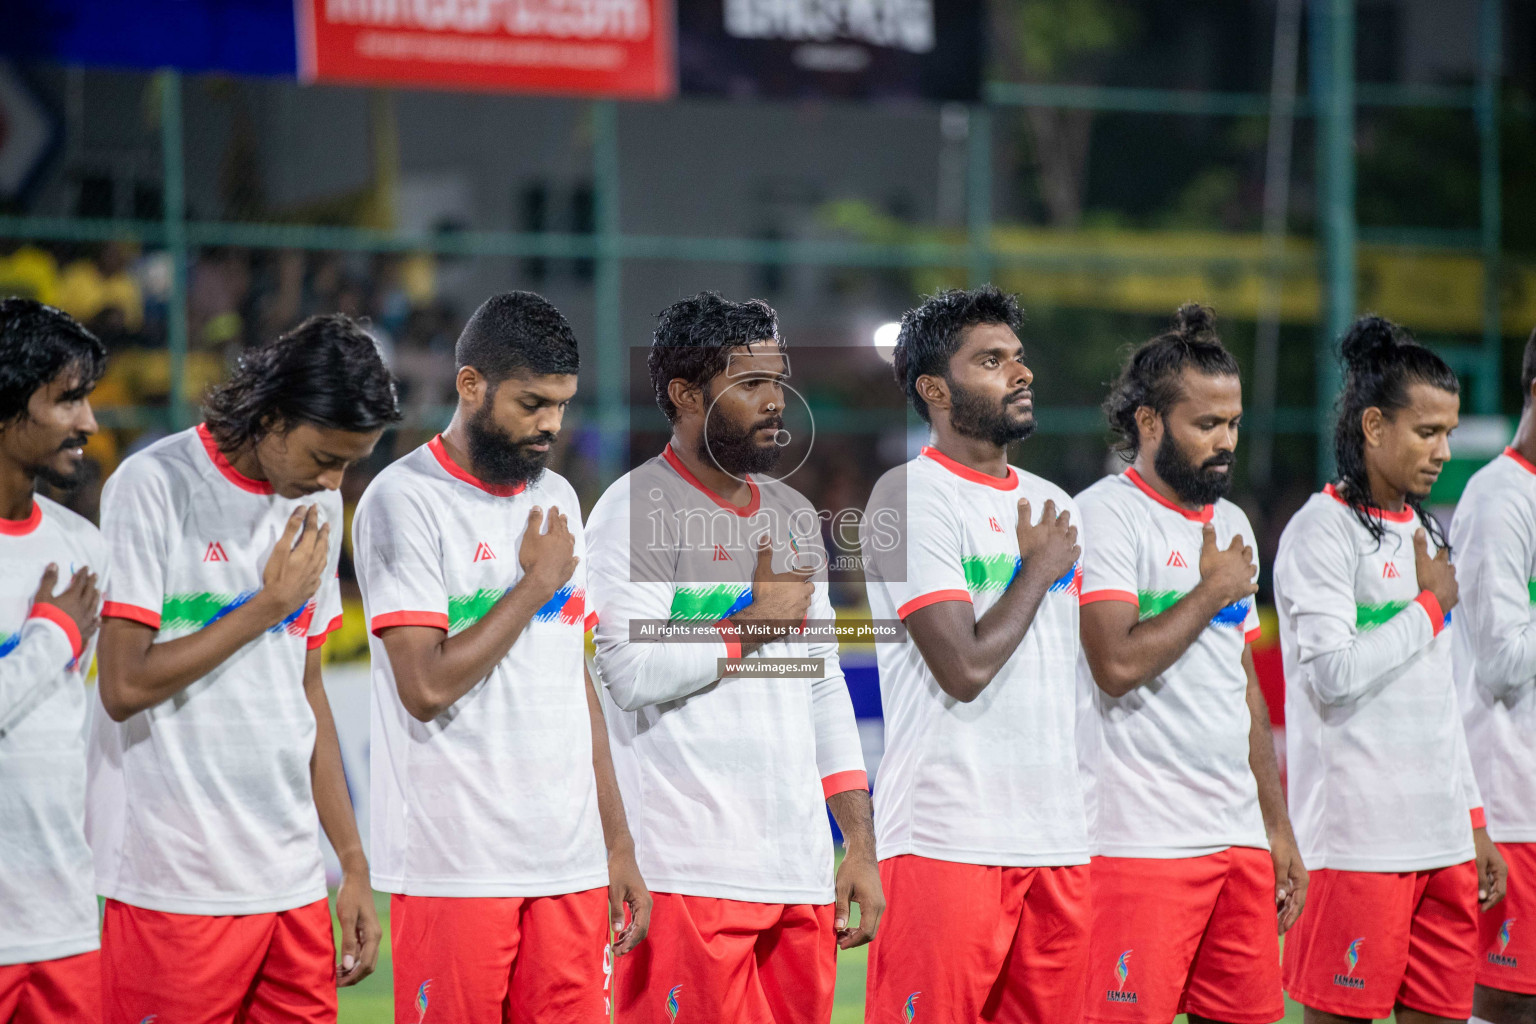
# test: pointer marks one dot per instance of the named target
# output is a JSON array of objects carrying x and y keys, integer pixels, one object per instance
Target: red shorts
[
  {"x": 540, "y": 959},
  {"x": 1369, "y": 940},
  {"x": 966, "y": 942},
  {"x": 1507, "y": 954},
  {"x": 62, "y": 991},
  {"x": 712, "y": 961},
  {"x": 1185, "y": 935},
  {"x": 201, "y": 969}
]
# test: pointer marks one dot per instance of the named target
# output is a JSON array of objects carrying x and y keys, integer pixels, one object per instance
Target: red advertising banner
[{"x": 619, "y": 48}]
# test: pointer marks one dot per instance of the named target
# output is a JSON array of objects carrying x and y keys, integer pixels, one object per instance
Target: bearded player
[
  {"x": 1196, "y": 871},
  {"x": 493, "y": 790},
  {"x": 982, "y": 839},
  {"x": 728, "y": 779}
]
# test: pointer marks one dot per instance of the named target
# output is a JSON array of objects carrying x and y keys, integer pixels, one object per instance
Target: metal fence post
[
  {"x": 612, "y": 364},
  {"x": 1489, "y": 66},
  {"x": 174, "y": 212},
  {"x": 1333, "y": 89}
]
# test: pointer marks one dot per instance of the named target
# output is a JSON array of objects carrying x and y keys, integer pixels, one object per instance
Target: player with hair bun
[{"x": 1382, "y": 790}]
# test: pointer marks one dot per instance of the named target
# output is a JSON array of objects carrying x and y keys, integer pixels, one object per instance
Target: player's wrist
[{"x": 354, "y": 864}]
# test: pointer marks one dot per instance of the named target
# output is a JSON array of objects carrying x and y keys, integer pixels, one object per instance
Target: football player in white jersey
[
  {"x": 50, "y": 562},
  {"x": 1493, "y": 650},
  {"x": 216, "y": 762},
  {"x": 1382, "y": 792},
  {"x": 1193, "y": 852},
  {"x": 982, "y": 838},
  {"x": 493, "y": 786},
  {"x": 727, "y": 781}
]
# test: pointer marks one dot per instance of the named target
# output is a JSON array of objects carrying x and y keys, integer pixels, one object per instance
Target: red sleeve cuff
[
  {"x": 55, "y": 615},
  {"x": 318, "y": 640},
  {"x": 436, "y": 620},
  {"x": 731, "y": 636},
  {"x": 119, "y": 610},
  {"x": 937, "y": 596},
  {"x": 1252, "y": 635},
  {"x": 591, "y": 622},
  {"x": 1479, "y": 820},
  {"x": 843, "y": 782},
  {"x": 1094, "y": 596},
  {"x": 1431, "y": 606}
]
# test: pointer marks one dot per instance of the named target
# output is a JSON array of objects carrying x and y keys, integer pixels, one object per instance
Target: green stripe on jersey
[
  {"x": 192, "y": 611},
  {"x": 1155, "y": 602},
  {"x": 705, "y": 603},
  {"x": 1369, "y": 616},
  {"x": 993, "y": 572},
  {"x": 1531, "y": 587},
  {"x": 467, "y": 609}
]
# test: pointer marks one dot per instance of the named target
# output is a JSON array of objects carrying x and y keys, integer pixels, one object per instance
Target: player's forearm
[
  {"x": 976, "y": 659},
  {"x": 855, "y": 818},
  {"x": 431, "y": 679},
  {"x": 1369, "y": 659},
  {"x": 1262, "y": 762},
  {"x": 37, "y": 664},
  {"x": 638, "y": 675},
  {"x": 1152, "y": 645},
  {"x": 610, "y": 803},
  {"x": 328, "y": 780},
  {"x": 137, "y": 673}
]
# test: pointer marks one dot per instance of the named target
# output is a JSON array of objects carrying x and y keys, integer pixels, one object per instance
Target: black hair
[
  {"x": 1381, "y": 361},
  {"x": 1152, "y": 375},
  {"x": 38, "y": 344},
  {"x": 694, "y": 337},
  {"x": 517, "y": 331},
  {"x": 931, "y": 333},
  {"x": 326, "y": 372},
  {"x": 1528, "y": 369}
]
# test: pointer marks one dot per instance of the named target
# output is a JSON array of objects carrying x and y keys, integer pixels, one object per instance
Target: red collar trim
[
  {"x": 750, "y": 508},
  {"x": 223, "y": 465},
  {"x": 1523, "y": 462},
  {"x": 1203, "y": 516},
  {"x": 22, "y": 527},
  {"x": 1006, "y": 483},
  {"x": 458, "y": 472},
  {"x": 1405, "y": 516}
]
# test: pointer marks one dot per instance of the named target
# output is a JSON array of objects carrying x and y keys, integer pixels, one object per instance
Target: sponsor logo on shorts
[
  {"x": 1122, "y": 972},
  {"x": 1351, "y": 957},
  {"x": 909, "y": 1008},
  {"x": 421, "y": 1001},
  {"x": 1499, "y": 959},
  {"x": 154, "y": 1016},
  {"x": 671, "y": 1004}
]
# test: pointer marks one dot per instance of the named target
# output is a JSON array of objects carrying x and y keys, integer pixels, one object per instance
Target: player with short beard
[
  {"x": 983, "y": 845},
  {"x": 1193, "y": 851},
  {"x": 493, "y": 789},
  {"x": 728, "y": 780},
  {"x": 1382, "y": 789},
  {"x": 50, "y": 971}
]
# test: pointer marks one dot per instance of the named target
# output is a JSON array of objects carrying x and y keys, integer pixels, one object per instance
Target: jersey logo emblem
[
  {"x": 1352, "y": 958},
  {"x": 1118, "y": 994},
  {"x": 215, "y": 553},
  {"x": 483, "y": 552},
  {"x": 909, "y": 1008},
  {"x": 993, "y": 521},
  {"x": 721, "y": 555},
  {"x": 1176, "y": 561},
  {"x": 1389, "y": 571},
  {"x": 421, "y": 1001},
  {"x": 1502, "y": 957},
  {"x": 671, "y": 1004}
]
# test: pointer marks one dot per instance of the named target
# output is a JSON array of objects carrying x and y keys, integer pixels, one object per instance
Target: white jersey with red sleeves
[
  {"x": 993, "y": 782},
  {"x": 1167, "y": 763},
  {"x": 47, "y": 894},
  {"x": 495, "y": 796},
  {"x": 724, "y": 781},
  {"x": 1380, "y": 778},
  {"x": 1493, "y": 647},
  {"x": 202, "y": 804}
]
